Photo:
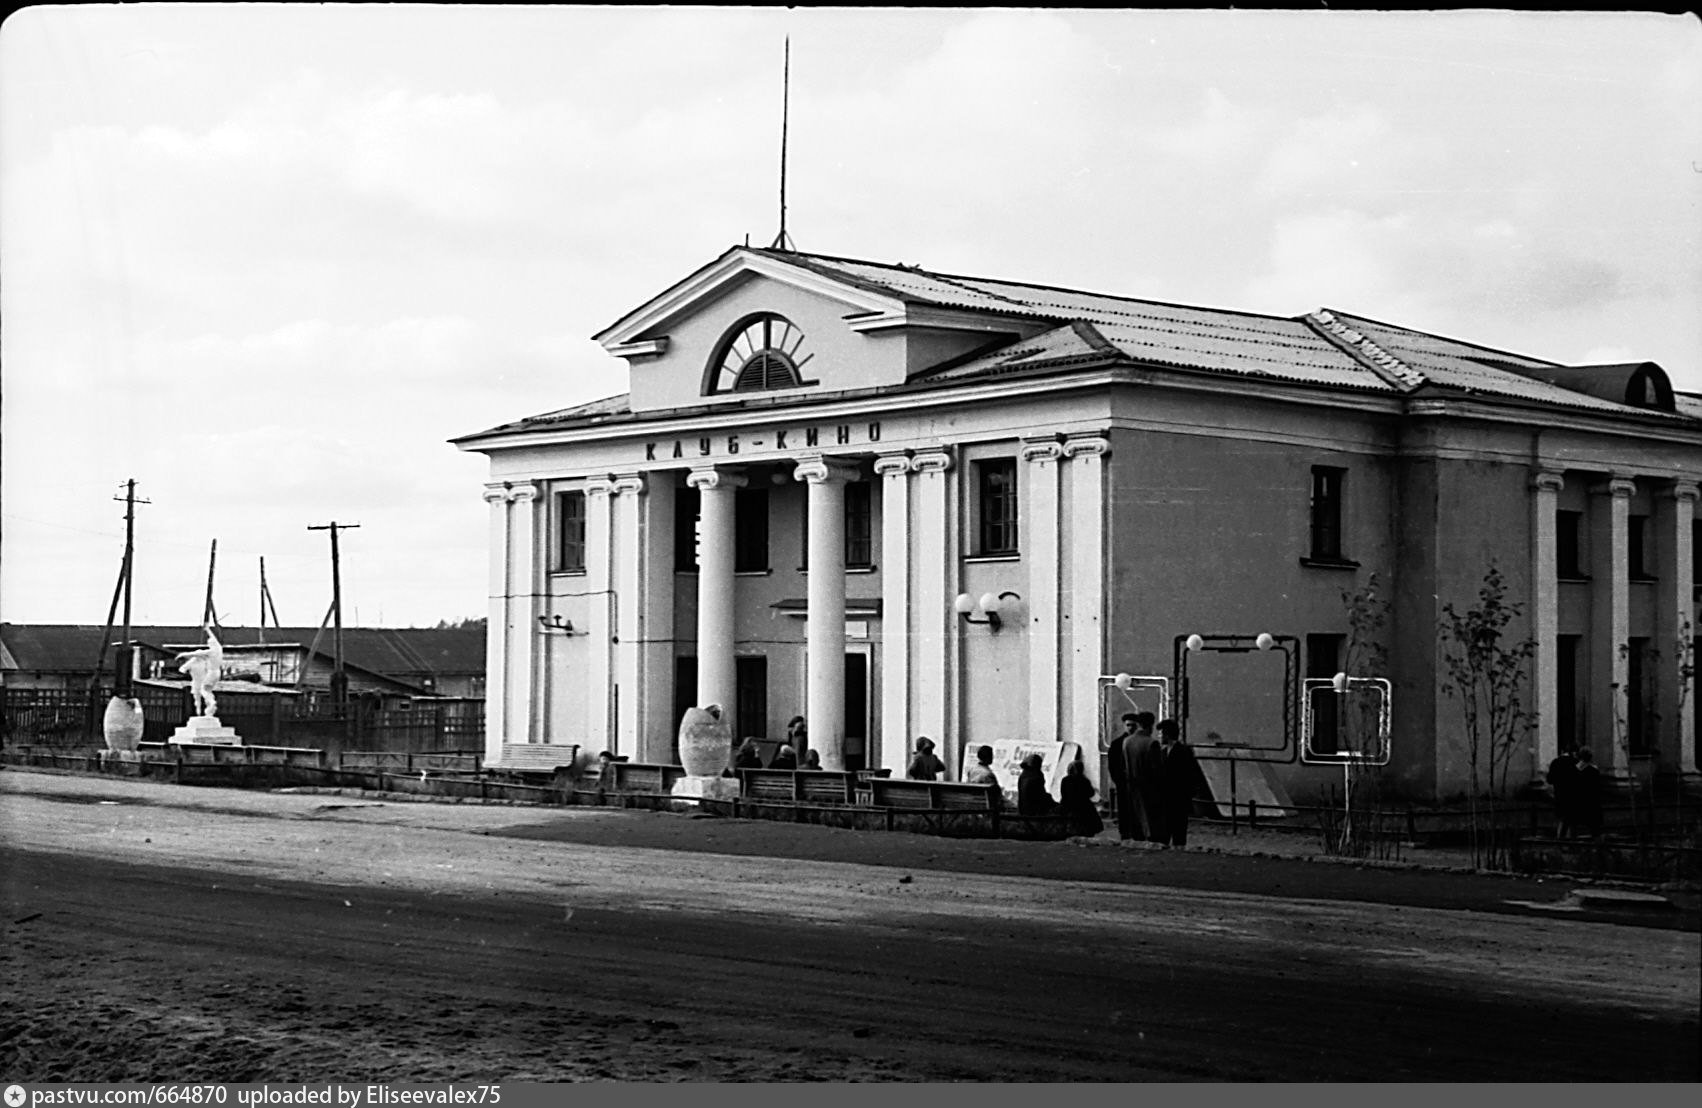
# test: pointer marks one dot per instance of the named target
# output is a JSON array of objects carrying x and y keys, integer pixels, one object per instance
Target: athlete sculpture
[{"x": 204, "y": 667}]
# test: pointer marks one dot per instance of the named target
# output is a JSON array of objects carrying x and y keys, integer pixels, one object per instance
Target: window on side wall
[
  {"x": 859, "y": 526},
  {"x": 570, "y": 532},
  {"x": 1327, "y": 487},
  {"x": 686, "y": 503},
  {"x": 1636, "y": 548},
  {"x": 1568, "y": 546},
  {"x": 995, "y": 498},
  {"x": 750, "y": 531}
]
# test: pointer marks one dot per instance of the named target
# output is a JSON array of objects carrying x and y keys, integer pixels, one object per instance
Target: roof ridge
[
  {"x": 1373, "y": 357},
  {"x": 1457, "y": 341}
]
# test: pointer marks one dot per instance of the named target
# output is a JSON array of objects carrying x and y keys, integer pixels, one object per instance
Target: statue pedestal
[
  {"x": 687, "y": 791},
  {"x": 205, "y": 731}
]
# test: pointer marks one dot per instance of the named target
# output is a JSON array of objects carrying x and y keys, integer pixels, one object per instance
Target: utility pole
[
  {"x": 265, "y": 603},
  {"x": 208, "y": 616},
  {"x": 124, "y": 664},
  {"x": 339, "y": 679}
]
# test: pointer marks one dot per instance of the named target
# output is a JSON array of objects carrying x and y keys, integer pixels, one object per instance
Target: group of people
[
  {"x": 1577, "y": 787},
  {"x": 749, "y": 757},
  {"x": 1154, "y": 780}
]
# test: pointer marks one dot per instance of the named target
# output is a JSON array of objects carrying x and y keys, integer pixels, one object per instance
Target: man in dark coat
[
  {"x": 1563, "y": 784},
  {"x": 1143, "y": 766},
  {"x": 1127, "y": 826},
  {"x": 1182, "y": 781}
]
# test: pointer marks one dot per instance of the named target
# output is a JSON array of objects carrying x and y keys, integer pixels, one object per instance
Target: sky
[{"x": 267, "y": 260}]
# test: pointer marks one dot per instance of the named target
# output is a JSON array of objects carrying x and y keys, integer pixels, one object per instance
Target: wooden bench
[
  {"x": 798, "y": 786},
  {"x": 939, "y": 796},
  {"x": 536, "y": 757},
  {"x": 637, "y": 777}
]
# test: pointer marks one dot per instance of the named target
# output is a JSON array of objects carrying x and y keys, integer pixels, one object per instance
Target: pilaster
[
  {"x": 934, "y": 617},
  {"x": 496, "y": 629},
  {"x": 522, "y": 612},
  {"x": 1675, "y": 625},
  {"x": 628, "y": 584},
  {"x": 1041, "y": 548},
  {"x": 891, "y": 748},
  {"x": 1610, "y": 621},
  {"x": 1545, "y": 612},
  {"x": 1088, "y": 572},
  {"x": 599, "y": 535}
]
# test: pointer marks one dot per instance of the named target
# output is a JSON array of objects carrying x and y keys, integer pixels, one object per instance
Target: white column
[
  {"x": 1545, "y": 614},
  {"x": 894, "y": 745},
  {"x": 522, "y": 613},
  {"x": 628, "y": 584},
  {"x": 824, "y": 632},
  {"x": 1041, "y": 543},
  {"x": 1675, "y": 620},
  {"x": 599, "y": 631},
  {"x": 496, "y": 630},
  {"x": 1610, "y": 621},
  {"x": 656, "y": 637},
  {"x": 1088, "y": 572},
  {"x": 716, "y": 680},
  {"x": 932, "y": 628}
]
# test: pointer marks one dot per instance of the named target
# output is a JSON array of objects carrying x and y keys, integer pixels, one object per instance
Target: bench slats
[{"x": 537, "y": 757}]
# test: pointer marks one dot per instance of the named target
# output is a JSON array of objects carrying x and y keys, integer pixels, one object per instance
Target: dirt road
[{"x": 155, "y": 932}]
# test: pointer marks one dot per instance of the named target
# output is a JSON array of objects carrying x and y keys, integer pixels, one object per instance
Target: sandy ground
[{"x": 163, "y": 932}]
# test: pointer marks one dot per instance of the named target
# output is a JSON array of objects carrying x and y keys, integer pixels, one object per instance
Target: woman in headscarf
[
  {"x": 1075, "y": 796},
  {"x": 748, "y": 756},
  {"x": 926, "y": 766},
  {"x": 1032, "y": 797},
  {"x": 786, "y": 758}
]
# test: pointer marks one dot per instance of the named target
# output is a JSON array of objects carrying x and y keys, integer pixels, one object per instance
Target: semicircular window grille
[{"x": 760, "y": 354}]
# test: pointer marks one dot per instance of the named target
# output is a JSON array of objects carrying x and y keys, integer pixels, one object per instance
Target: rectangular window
[
  {"x": 1327, "y": 513},
  {"x": 750, "y": 675},
  {"x": 1636, "y": 534},
  {"x": 1566, "y": 691},
  {"x": 750, "y": 531},
  {"x": 859, "y": 533},
  {"x": 570, "y": 532},
  {"x": 995, "y": 496},
  {"x": 1568, "y": 548},
  {"x": 686, "y": 503},
  {"x": 1323, "y": 661}
]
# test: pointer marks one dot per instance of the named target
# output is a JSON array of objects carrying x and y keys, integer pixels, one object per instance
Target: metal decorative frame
[
  {"x": 1243, "y": 644},
  {"x": 1109, "y": 690},
  {"x": 1346, "y": 757}
]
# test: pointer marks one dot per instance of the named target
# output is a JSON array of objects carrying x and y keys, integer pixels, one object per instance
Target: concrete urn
[
  {"x": 122, "y": 724},
  {"x": 706, "y": 741}
]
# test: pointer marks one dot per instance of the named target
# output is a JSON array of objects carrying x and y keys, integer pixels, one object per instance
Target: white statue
[{"x": 204, "y": 667}]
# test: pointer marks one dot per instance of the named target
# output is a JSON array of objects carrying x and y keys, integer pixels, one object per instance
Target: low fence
[{"x": 72, "y": 719}]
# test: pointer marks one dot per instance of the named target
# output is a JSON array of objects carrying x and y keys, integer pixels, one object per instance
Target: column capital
[
  {"x": 1042, "y": 450},
  {"x": 1620, "y": 486},
  {"x": 522, "y": 493},
  {"x": 495, "y": 493},
  {"x": 821, "y": 471},
  {"x": 599, "y": 484},
  {"x": 1548, "y": 480},
  {"x": 1090, "y": 446},
  {"x": 892, "y": 465},
  {"x": 1684, "y": 490},
  {"x": 935, "y": 459},
  {"x": 711, "y": 477},
  {"x": 627, "y": 483}
]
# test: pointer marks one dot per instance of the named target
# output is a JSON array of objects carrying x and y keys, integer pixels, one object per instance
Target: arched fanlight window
[{"x": 761, "y": 353}]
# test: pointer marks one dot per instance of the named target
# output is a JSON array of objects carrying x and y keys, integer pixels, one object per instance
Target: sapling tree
[{"x": 1487, "y": 671}]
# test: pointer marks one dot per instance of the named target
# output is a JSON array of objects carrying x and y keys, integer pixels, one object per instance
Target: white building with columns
[{"x": 820, "y": 462}]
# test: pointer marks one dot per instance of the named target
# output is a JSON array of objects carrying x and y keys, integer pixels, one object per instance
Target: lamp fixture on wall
[
  {"x": 556, "y": 625},
  {"x": 989, "y": 606}
]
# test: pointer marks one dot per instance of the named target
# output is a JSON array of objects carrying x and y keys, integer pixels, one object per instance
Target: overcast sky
[{"x": 266, "y": 260}]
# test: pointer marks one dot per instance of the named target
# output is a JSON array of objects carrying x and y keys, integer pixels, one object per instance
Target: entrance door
[
  {"x": 751, "y": 718},
  {"x": 856, "y": 710}
]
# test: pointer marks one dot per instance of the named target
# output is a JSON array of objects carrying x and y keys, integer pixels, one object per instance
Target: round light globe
[
  {"x": 965, "y": 603},
  {"x": 989, "y": 602},
  {"x": 1339, "y": 682},
  {"x": 1264, "y": 641},
  {"x": 1196, "y": 644},
  {"x": 1123, "y": 681}
]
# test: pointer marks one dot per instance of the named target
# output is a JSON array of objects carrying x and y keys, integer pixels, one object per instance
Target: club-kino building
[{"x": 903, "y": 503}]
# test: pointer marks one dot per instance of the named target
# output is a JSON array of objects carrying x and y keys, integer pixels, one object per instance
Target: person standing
[
  {"x": 926, "y": 766},
  {"x": 1563, "y": 785},
  {"x": 1075, "y": 796},
  {"x": 1122, "y": 798},
  {"x": 1181, "y": 780},
  {"x": 1143, "y": 767}
]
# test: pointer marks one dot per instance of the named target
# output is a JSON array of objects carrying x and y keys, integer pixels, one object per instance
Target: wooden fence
[{"x": 69, "y": 719}]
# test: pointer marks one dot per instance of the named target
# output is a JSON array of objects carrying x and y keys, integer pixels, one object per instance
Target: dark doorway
[
  {"x": 856, "y": 711},
  {"x": 751, "y": 677}
]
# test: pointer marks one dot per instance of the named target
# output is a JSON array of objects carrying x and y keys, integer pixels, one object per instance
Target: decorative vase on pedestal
[
  {"x": 122, "y": 724},
  {"x": 706, "y": 741}
]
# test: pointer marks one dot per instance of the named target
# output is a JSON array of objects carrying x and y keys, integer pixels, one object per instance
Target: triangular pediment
[{"x": 643, "y": 330}]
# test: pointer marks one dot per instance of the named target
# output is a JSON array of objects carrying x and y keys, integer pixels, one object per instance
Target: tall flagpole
[{"x": 782, "y": 241}]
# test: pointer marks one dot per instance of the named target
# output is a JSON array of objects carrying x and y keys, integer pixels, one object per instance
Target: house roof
[
  {"x": 1324, "y": 348},
  {"x": 407, "y": 654}
]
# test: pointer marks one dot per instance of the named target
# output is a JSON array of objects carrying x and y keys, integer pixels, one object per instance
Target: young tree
[{"x": 1488, "y": 672}]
